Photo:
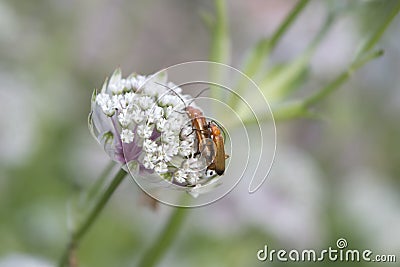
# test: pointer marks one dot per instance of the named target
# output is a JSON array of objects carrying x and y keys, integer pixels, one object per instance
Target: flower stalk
[
  {"x": 81, "y": 231},
  {"x": 160, "y": 246},
  {"x": 259, "y": 54}
]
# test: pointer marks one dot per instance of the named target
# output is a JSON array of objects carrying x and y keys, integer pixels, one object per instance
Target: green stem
[
  {"x": 340, "y": 79},
  {"x": 92, "y": 216},
  {"x": 220, "y": 46},
  {"x": 287, "y": 23},
  {"x": 100, "y": 183},
  {"x": 153, "y": 255},
  {"x": 264, "y": 47},
  {"x": 278, "y": 85},
  {"x": 300, "y": 108},
  {"x": 377, "y": 35}
]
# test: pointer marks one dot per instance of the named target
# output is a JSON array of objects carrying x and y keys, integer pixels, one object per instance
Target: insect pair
[{"x": 210, "y": 142}]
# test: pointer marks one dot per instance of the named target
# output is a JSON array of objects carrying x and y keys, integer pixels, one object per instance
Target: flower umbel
[{"x": 142, "y": 122}]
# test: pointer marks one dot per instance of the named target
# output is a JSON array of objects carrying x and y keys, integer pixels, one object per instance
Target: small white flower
[
  {"x": 185, "y": 148},
  {"x": 106, "y": 104},
  {"x": 172, "y": 149},
  {"x": 124, "y": 118},
  {"x": 137, "y": 81},
  {"x": 174, "y": 124},
  {"x": 150, "y": 117},
  {"x": 129, "y": 98},
  {"x": 158, "y": 113},
  {"x": 161, "y": 124},
  {"x": 169, "y": 137},
  {"x": 115, "y": 85},
  {"x": 127, "y": 84},
  {"x": 127, "y": 136},
  {"x": 102, "y": 99},
  {"x": 144, "y": 130},
  {"x": 161, "y": 167},
  {"x": 169, "y": 111},
  {"x": 120, "y": 102},
  {"x": 140, "y": 80},
  {"x": 149, "y": 146},
  {"x": 148, "y": 161},
  {"x": 138, "y": 115},
  {"x": 164, "y": 153},
  {"x": 180, "y": 176},
  {"x": 153, "y": 89},
  {"x": 146, "y": 102},
  {"x": 161, "y": 154},
  {"x": 192, "y": 178},
  {"x": 132, "y": 81},
  {"x": 170, "y": 100}
]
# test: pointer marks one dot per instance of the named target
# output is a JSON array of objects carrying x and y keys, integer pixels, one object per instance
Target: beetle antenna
[
  {"x": 202, "y": 91},
  {"x": 173, "y": 91}
]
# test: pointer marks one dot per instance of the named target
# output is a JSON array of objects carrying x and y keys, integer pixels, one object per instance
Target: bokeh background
[{"x": 335, "y": 176}]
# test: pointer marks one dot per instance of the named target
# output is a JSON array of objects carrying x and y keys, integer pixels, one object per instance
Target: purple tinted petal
[
  {"x": 119, "y": 152},
  {"x": 132, "y": 151},
  {"x": 155, "y": 134},
  {"x": 101, "y": 122}
]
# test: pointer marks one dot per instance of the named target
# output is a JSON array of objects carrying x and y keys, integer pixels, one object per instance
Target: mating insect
[
  {"x": 218, "y": 165},
  {"x": 200, "y": 126},
  {"x": 210, "y": 143}
]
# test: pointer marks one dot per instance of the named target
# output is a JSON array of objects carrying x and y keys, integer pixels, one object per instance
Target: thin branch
[
  {"x": 91, "y": 218},
  {"x": 154, "y": 254},
  {"x": 377, "y": 35}
]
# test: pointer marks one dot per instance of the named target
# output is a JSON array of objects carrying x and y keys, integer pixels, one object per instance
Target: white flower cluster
[{"x": 146, "y": 118}]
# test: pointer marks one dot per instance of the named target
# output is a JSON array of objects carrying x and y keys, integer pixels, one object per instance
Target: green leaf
[
  {"x": 220, "y": 46},
  {"x": 259, "y": 54},
  {"x": 376, "y": 36},
  {"x": 263, "y": 48},
  {"x": 279, "y": 83}
]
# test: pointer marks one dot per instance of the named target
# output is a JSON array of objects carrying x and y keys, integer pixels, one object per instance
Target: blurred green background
[{"x": 336, "y": 176}]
